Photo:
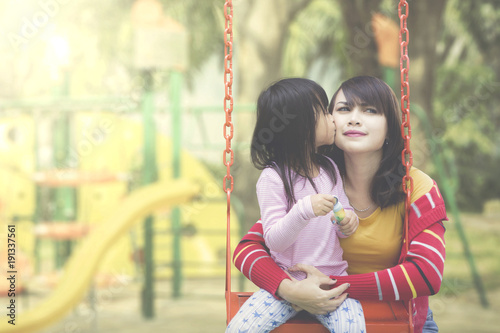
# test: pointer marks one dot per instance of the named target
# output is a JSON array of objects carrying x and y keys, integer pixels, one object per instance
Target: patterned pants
[{"x": 262, "y": 313}]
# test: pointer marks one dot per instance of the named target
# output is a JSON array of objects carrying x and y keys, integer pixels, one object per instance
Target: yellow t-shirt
[{"x": 376, "y": 244}]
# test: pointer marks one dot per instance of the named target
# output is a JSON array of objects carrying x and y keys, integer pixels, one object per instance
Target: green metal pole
[
  {"x": 38, "y": 197},
  {"x": 389, "y": 75},
  {"x": 64, "y": 196},
  {"x": 175, "y": 99},
  {"x": 449, "y": 195},
  {"x": 149, "y": 175}
]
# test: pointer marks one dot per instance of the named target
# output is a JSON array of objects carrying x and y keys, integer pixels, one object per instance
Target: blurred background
[{"x": 111, "y": 146}]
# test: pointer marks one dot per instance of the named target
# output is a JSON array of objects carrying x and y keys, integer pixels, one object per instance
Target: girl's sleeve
[
  {"x": 251, "y": 257},
  {"x": 420, "y": 272},
  {"x": 281, "y": 227}
]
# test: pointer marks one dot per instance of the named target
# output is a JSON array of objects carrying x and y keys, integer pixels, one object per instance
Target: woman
[{"x": 368, "y": 153}]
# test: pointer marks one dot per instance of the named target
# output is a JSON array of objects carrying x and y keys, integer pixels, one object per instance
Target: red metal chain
[
  {"x": 406, "y": 154},
  {"x": 228, "y": 152},
  {"x": 228, "y": 99}
]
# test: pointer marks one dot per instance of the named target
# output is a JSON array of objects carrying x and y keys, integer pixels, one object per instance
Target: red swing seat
[{"x": 380, "y": 317}]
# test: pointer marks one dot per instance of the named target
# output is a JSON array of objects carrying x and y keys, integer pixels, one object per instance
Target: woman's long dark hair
[
  {"x": 386, "y": 189},
  {"x": 285, "y": 132}
]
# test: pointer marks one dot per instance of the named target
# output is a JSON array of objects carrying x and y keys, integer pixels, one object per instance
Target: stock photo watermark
[
  {"x": 88, "y": 143},
  {"x": 484, "y": 91},
  {"x": 32, "y": 25},
  {"x": 277, "y": 124}
]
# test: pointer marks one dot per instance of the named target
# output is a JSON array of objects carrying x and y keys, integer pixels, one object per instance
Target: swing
[{"x": 380, "y": 316}]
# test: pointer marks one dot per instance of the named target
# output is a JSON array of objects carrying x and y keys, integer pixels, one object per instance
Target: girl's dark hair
[
  {"x": 285, "y": 132},
  {"x": 386, "y": 189}
]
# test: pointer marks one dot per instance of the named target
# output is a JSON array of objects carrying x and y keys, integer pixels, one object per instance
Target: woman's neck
[{"x": 360, "y": 170}]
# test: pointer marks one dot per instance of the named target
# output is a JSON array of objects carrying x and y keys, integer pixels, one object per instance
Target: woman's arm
[
  {"x": 251, "y": 257},
  {"x": 313, "y": 294},
  {"x": 419, "y": 274}
]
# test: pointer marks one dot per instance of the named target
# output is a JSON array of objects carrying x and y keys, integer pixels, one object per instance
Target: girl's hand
[
  {"x": 312, "y": 294},
  {"x": 349, "y": 224},
  {"x": 322, "y": 204}
]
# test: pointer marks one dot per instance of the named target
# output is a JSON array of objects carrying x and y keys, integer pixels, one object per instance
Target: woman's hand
[
  {"x": 312, "y": 294},
  {"x": 322, "y": 204},
  {"x": 349, "y": 224}
]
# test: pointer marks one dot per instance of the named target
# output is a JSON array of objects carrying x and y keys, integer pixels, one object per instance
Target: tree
[
  {"x": 361, "y": 51},
  {"x": 264, "y": 35},
  {"x": 468, "y": 86},
  {"x": 426, "y": 25},
  {"x": 262, "y": 30}
]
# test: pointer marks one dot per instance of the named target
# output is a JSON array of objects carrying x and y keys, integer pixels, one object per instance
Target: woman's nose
[{"x": 354, "y": 118}]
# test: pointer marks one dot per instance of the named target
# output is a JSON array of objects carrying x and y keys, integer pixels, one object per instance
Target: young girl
[{"x": 297, "y": 191}]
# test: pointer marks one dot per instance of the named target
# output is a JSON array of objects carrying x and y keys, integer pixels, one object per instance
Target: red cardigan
[{"x": 418, "y": 274}]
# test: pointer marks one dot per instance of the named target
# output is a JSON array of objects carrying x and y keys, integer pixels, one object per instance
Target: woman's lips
[{"x": 354, "y": 133}]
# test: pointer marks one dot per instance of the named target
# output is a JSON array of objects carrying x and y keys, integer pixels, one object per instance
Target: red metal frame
[{"x": 380, "y": 317}]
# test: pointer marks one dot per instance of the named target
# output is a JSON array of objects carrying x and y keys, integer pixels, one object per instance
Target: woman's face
[{"x": 360, "y": 128}]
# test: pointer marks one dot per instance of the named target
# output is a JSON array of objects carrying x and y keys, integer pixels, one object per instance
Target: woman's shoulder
[{"x": 422, "y": 183}]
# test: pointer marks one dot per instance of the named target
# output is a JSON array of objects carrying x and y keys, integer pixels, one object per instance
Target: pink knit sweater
[{"x": 297, "y": 235}]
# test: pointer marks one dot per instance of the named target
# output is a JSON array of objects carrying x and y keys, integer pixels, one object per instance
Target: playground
[
  {"x": 202, "y": 306},
  {"x": 116, "y": 165}
]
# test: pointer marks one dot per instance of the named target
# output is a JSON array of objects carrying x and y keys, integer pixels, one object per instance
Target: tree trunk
[
  {"x": 260, "y": 36},
  {"x": 360, "y": 48},
  {"x": 425, "y": 25},
  {"x": 261, "y": 33}
]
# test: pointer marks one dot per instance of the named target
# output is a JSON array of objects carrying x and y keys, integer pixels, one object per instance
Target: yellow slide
[{"x": 83, "y": 264}]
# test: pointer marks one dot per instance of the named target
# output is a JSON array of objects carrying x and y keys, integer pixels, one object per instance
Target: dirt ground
[{"x": 202, "y": 309}]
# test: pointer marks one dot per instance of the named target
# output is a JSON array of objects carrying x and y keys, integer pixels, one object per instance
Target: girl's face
[
  {"x": 325, "y": 129},
  {"x": 360, "y": 128}
]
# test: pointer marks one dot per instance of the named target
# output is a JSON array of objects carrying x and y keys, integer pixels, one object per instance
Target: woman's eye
[
  {"x": 370, "y": 110},
  {"x": 343, "y": 108}
]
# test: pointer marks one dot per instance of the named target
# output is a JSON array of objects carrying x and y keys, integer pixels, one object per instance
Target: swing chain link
[
  {"x": 406, "y": 154},
  {"x": 228, "y": 99}
]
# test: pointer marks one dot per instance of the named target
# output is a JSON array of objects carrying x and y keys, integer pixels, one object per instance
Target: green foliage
[
  {"x": 467, "y": 99},
  {"x": 483, "y": 235},
  {"x": 205, "y": 22},
  {"x": 464, "y": 104},
  {"x": 470, "y": 122},
  {"x": 317, "y": 34}
]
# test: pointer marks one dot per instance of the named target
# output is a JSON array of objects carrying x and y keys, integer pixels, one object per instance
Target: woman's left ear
[{"x": 386, "y": 141}]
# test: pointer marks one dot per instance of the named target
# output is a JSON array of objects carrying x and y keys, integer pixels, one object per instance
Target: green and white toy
[{"x": 338, "y": 211}]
